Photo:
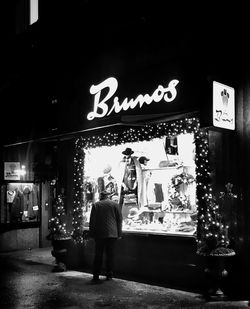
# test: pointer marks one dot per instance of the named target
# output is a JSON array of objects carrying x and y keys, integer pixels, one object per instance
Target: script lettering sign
[{"x": 111, "y": 103}]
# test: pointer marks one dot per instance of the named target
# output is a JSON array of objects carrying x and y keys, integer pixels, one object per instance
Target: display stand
[{"x": 215, "y": 273}]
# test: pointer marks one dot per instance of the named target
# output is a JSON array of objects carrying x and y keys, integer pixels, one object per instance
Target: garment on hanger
[
  {"x": 29, "y": 201},
  {"x": 10, "y": 196},
  {"x": 130, "y": 175},
  {"x": 158, "y": 192},
  {"x": 171, "y": 145},
  {"x": 17, "y": 206}
]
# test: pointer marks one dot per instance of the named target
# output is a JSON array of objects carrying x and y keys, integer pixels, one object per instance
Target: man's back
[{"x": 105, "y": 219}]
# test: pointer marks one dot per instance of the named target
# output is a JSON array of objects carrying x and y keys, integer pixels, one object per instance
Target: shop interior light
[{"x": 22, "y": 171}]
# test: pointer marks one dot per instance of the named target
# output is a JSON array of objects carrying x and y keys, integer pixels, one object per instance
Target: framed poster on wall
[
  {"x": 223, "y": 106},
  {"x": 11, "y": 170}
]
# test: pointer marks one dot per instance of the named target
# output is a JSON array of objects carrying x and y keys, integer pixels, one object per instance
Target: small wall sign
[
  {"x": 11, "y": 170},
  {"x": 223, "y": 106}
]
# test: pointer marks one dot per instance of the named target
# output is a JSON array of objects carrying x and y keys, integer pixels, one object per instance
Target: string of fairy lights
[
  {"x": 210, "y": 221},
  {"x": 78, "y": 178},
  {"x": 57, "y": 224},
  {"x": 208, "y": 217}
]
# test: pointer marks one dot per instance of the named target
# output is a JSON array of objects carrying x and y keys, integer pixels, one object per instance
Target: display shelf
[
  {"x": 167, "y": 211},
  {"x": 163, "y": 168},
  {"x": 155, "y": 232},
  {"x": 181, "y": 212},
  {"x": 177, "y": 167}
]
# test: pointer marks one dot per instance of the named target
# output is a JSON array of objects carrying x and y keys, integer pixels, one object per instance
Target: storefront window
[
  {"x": 20, "y": 202},
  {"x": 153, "y": 181}
]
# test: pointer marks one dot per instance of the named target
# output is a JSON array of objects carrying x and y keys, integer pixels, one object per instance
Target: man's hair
[{"x": 103, "y": 195}]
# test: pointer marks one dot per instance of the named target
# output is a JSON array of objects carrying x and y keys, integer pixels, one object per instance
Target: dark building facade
[{"x": 86, "y": 85}]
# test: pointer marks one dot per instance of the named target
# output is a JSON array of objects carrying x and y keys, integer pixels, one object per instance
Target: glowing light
[{"x": 102, "y": 109}]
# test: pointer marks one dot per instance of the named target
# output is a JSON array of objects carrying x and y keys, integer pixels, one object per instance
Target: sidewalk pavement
[{"x": 118, "y": 293}]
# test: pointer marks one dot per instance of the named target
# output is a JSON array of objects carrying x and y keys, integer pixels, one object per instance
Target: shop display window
[
  {"x": 20, "y": 202},
  {"x": 153, "y": 181}
]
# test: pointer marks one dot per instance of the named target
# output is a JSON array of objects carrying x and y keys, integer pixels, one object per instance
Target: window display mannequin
[
  {"x": 14, "y": 204},
  {"x": 11, "y": 196},
  {"x": 89, "y": 189},
  {"x": 29, "y": 200},
  {"x": 144, "y": 180},
  {"x": 144, "y": 161},
  {"x": 107, "y": 182},
  {"x": 131, "y": 183}
]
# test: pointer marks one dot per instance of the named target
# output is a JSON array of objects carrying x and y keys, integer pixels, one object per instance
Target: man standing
[{"x": 105, "y": 227}]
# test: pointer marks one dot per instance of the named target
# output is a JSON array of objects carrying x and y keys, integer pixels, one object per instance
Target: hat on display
[
  {"x": 164, "y": 163},
  {"x": 143, "y": 159},
  {"x": 128, "y": 151},
  {"x": 26, "y": 189},
  {"x": 115, "y": 198},
  {"x": 133, "y": 212},
  {"x": 107, "y": 169}
]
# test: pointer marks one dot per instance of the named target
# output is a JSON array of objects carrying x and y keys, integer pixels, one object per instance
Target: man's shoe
[
  {"x": 109, "y": 275},
  {"x": 96, "y": 281}
]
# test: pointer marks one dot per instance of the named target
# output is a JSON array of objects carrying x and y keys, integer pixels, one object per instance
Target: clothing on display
[
  {"x": 158, "y": 193},
  {"x": 154, "y": 183},
  {"x": 130, "y": 176},
  {"x": 30, "y": 201},
  {"x": 21, "y": 203},
  {"x": 10, "y": 196},
  {"x": 107, "y": 183},
  {"x": 89, "y": 191},
  {"x": 171, "y": 145}
]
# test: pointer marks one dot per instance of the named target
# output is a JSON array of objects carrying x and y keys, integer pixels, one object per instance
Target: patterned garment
[
  {"x": 10, "y": 196},
  {"x": 105, "y": 220},
  {"x": 130, "y": 175}
]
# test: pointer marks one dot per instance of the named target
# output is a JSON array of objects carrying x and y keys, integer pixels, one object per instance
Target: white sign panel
[
  {"x": 11, "y": 170},
  {"x": 223, "y": 106}
]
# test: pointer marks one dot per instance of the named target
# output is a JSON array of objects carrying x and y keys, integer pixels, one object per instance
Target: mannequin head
[
  {"x": 143, "y": 160},
  {"x": 127, "y": 154}
]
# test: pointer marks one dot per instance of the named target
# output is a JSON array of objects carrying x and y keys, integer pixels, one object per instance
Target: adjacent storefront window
[
  {"x": 20, "y": 202},
  {"x": 153, "y": 181}
]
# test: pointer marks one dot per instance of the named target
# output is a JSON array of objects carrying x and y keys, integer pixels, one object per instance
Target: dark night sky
[
  {"x": 201, "y": 30},
  {"x": 207, "y": 25},
  {"x": 205, "y": 29}
]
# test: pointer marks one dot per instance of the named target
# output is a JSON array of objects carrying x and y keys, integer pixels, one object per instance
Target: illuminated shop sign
[
  {"x": 110, "y": 103},
  {"x": 223, "y": 106}
]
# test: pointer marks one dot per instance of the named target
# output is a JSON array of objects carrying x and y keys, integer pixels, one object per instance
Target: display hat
[
  {"x": 143, "y": 159},
  {"x": 133, "y": 212},
  {"x": 128, "y": 151},
  {"x": 115, "y": 198},
  {"x": 107, "y": 169},
  {"x": 26, "y": 189}
]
